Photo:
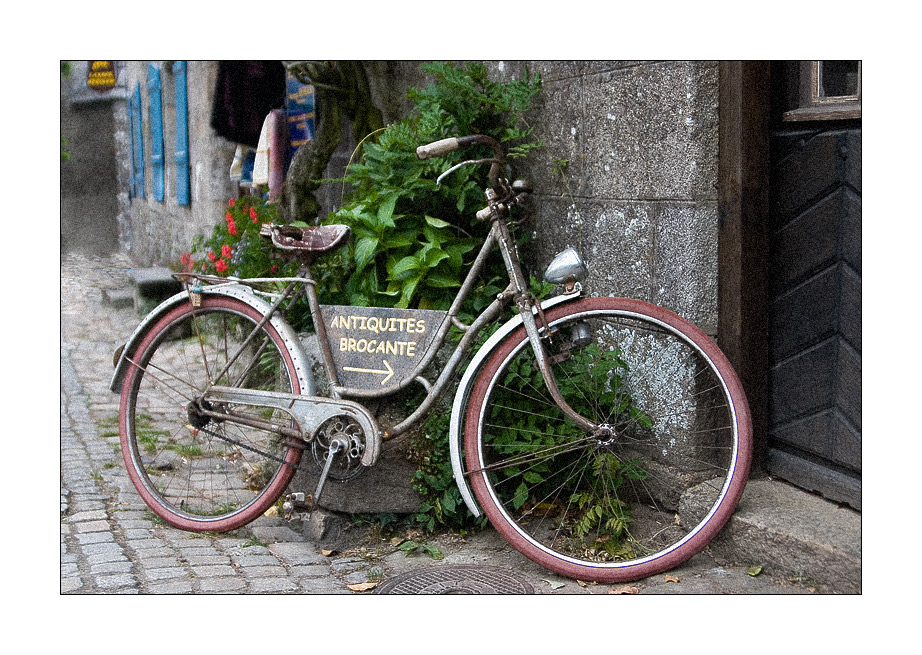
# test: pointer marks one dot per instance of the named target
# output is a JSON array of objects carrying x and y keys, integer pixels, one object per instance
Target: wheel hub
[
  {"x": 605, "y": 434},
  {"x": 340, "y": 430},
  {"x": 196, "y": 418}
]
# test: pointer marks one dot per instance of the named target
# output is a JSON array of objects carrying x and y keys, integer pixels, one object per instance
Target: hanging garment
[
  {"x": 236, "y": 169},
  {"x": 271, "y": 153},
  {"x": 246, "y": 91}
]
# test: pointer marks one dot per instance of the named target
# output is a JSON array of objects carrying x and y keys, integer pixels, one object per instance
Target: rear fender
[{"x": 241, "y": 292}]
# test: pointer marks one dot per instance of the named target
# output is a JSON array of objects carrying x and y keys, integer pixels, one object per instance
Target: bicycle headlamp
[{"x": 567, "y": 268}]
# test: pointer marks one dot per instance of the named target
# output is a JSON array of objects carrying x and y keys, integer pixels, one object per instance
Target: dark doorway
[{"x": 814, "y": 279}]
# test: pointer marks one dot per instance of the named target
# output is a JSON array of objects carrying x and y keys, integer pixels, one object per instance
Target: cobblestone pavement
[{"x": 110, "y": 542}]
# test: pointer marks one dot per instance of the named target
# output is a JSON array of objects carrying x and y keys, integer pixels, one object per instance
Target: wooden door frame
[{"x": 743, "y": 234}]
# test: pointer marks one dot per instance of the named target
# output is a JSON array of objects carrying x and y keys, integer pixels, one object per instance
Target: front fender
[
  {"x": 241, "y": 292},
  {"x": 459, "y": 407}
]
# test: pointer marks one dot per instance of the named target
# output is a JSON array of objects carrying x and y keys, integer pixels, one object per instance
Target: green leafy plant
[
  {"x": 434, "y": 480},
  {"x": 409, "y": 547},
  {"x": 413, "y": 239}
]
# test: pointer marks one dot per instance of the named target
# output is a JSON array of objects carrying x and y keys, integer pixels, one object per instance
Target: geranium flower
[
  {"x": 225, "y": 250},
  {"x": 211, "y": 255},
  {"x": 221, "y": 266},
  {"x": 231, "y": 202}
]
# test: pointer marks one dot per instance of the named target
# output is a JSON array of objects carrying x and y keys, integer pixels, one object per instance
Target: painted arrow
[{"x": 388, "y": 373}]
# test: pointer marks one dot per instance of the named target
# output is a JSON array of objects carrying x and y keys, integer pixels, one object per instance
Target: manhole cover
[{"x": 456, "y": 579}]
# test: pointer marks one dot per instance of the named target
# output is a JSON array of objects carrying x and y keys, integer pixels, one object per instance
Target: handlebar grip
[{"x": 438, "y": 148}]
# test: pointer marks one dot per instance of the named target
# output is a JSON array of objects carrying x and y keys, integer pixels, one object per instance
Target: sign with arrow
[
  {"x": 377, "y": 347},
  {"x": 388, "y": 372}
]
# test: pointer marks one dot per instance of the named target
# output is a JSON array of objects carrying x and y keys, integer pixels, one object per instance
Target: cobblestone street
[{"x": 110, "y": 541}]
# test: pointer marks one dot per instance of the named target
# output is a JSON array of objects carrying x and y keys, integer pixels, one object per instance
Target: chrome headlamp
[{"x": 567, "y": 269}]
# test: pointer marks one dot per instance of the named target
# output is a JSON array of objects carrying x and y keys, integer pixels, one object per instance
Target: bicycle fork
[{"x": 529, "y": 309}]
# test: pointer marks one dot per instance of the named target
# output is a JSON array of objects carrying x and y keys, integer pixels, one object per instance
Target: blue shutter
[
  {"x": 137, "y": 143},
  {"x": 182, "y": 134},
  {"x": 156, "y": 130}
]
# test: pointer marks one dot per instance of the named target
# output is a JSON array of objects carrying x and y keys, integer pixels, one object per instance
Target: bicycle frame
[
  {"x": 516, "y": 292},
  {"x": 309, "y": 410}
]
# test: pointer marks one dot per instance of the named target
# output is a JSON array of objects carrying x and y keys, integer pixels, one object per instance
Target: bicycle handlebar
[
  {"x": 445, "y": 146},
  {"x": 438, "y": 148}
]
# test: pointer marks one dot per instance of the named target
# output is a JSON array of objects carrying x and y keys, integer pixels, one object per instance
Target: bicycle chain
[{"x": 258, "y": 452}]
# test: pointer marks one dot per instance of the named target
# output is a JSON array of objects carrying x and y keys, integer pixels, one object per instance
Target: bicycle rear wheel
[
  {"x": 196, "y": 473},
  {"x": 651, "y": 486}
]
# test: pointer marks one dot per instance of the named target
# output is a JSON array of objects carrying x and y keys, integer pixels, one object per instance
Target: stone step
[
  {"x": 119, "y": 298},
  {"x": 793, "y": 533},
  {"x": 152, "y": 285}
]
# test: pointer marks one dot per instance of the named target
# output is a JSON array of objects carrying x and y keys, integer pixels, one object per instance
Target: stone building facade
[{"x": 638, "y": 195}]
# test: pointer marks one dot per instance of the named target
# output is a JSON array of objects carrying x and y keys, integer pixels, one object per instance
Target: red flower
[
  {"x": 225, "y": 250},
  {"x": 221, "y": 266},
  {"x": 211, "y": 256},
  {"x": 231, "y": 202},
  {"x": 186, "y": 260},
  {"x": 275, "y": 267},
  {"x": 229, "y": 217},
  {"x": 232, "y": 228},
  {"x": 253, "y": 214}
]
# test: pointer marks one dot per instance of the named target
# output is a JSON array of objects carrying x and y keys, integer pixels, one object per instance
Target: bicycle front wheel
[
  {"x": 197, "y": 473},
  {"x": 645, "y": 490}
]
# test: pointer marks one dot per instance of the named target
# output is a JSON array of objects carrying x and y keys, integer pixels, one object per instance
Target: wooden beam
[{"x": 743, "y": 209}]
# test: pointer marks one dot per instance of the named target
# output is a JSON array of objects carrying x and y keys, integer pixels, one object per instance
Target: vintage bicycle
[{"x": 606, "y": 439}]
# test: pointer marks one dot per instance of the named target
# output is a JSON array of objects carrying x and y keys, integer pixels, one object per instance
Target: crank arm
[{"x": 309, "y": 412}]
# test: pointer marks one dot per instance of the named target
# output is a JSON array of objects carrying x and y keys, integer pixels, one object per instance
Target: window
[
  {"x": 156, "y": 129},
  {"x": 828, "y": 90},
  {"x": 181, "y": 157}
]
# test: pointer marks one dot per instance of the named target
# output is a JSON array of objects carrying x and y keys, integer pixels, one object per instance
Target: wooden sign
[{"x": 375, "y": 347}]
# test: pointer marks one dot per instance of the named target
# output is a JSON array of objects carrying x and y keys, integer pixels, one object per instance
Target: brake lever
[{"x": 438, "y": 180}]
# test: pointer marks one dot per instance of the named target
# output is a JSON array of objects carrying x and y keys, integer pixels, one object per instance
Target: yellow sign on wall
[{"x": 101, "y": 75}]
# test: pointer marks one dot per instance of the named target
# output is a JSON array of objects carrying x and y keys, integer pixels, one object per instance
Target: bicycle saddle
[{"x": 306, "y": 242}]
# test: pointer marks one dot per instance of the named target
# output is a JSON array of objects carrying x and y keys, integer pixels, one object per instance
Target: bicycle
[{"x": 607, "y": 439}]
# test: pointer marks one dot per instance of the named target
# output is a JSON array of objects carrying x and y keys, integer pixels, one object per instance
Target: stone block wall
[
  {"x": 628, "y": 175},
  {"x": 638, "y": 194}
]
